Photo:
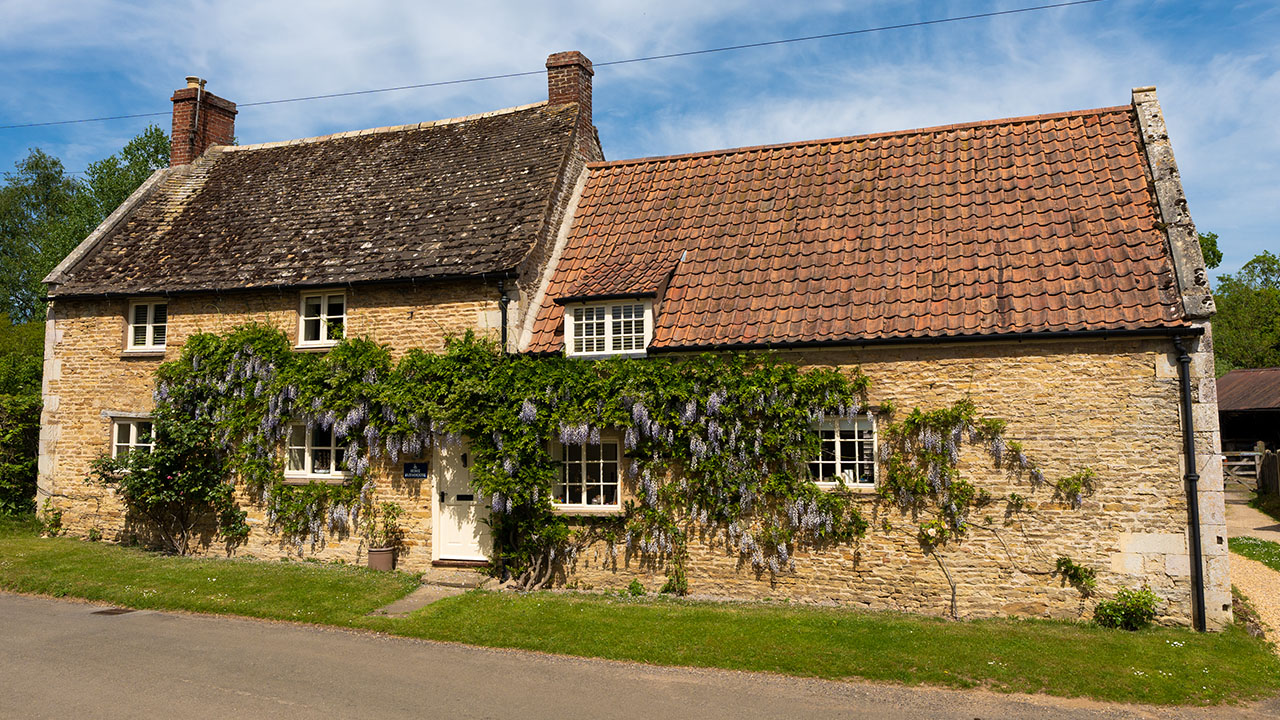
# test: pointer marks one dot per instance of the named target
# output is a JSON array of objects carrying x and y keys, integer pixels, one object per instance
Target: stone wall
[
  {"x": 1108, "y": 405},
  {"x": 89, "y": 380}
]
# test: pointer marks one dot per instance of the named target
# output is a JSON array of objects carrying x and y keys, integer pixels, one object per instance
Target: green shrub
[
  {"x": 1129, "y": 610},
  {"x": 635, "y": 589}
]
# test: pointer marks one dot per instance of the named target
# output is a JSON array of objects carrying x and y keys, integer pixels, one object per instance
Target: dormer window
[{"x": 612, "y": 328}]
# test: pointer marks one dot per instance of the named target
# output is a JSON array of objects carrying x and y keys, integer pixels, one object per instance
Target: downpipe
[
  {"x": 503, "y": 300},
  {"x": 1192, "y": 480}
]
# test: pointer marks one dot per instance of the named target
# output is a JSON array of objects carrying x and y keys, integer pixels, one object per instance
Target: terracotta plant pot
[{"x": 382, "y": 558}]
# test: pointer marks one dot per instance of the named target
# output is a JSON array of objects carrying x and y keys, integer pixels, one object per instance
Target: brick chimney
[
  {"x": 569, "y": 81},
  {"x": 200, "y": 119}
]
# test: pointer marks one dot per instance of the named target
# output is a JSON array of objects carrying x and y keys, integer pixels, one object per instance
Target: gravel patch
[{"x": 1261, "y": 585}]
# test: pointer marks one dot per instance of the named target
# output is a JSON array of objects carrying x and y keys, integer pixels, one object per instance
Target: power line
[{"x": 667, "y": 56}]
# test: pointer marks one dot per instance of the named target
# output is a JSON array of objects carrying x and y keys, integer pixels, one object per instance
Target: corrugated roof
[
  {"x": 1249, "y": 390},
  {"x": 431, "y": 200},
  {"x": 1036, "y": 224}
]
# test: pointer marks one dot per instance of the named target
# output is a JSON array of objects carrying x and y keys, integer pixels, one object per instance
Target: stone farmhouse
[{"x": 1045, "y": 266}]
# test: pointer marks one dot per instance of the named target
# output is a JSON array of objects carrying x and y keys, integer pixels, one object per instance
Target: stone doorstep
[{"x": 463, "y": 578}]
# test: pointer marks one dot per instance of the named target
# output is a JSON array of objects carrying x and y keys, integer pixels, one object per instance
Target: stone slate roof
[
  {"x": 1257, "y": 389},
  {"x": 431, "y": 200},
  {"x": 1026, "y": 225}
]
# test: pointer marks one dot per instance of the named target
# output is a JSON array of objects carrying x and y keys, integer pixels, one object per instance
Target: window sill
[
  {"x": 315, "y": 347},
  {"x": 858, "y": 489},
  {"x": 586, "y": 510},
  {"x": 606, "y": 355},
  {"x": 321, "y": 479},
  {"x": 148, "y": 354}
]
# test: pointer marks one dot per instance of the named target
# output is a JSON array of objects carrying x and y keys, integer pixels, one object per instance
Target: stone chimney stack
[
  {"x": 569, "y": 81},
  {"x": 200, "y": 119}
]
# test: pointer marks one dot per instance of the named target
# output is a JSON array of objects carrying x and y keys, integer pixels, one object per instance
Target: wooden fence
[{"x": 1259, "y": 467}]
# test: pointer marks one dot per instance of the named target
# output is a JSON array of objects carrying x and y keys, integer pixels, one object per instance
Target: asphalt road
[{"x": 60, "y": 660}]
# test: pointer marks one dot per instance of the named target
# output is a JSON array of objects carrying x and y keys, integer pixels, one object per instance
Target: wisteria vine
[{"x": 721, "y": 442}]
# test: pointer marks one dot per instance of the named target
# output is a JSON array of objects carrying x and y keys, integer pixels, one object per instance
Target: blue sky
[{"x": 1216, "y": 66}]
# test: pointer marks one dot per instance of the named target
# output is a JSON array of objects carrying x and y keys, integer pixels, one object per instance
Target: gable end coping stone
[{"x": 1180, "y": 231}]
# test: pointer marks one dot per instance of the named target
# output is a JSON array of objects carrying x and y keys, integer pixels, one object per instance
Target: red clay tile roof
[
  {"x": 622, "y": 277},
  {"x": 439, "y": 199},
  {"x": 1257, "y": 389},
  {"x": 1025, "y": 225}
]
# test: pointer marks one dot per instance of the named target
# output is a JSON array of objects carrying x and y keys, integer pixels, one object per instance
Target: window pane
[
  {"x": 120, "y": 450},
  {"x": 122, "y": 433},
  {"x": 139, "y": 335},
  {"x": 609, "y": 451},
  {"x": 333, "y": 330},
  {"x": 339, "y": 457},
  {"x": 140, "y": 314},
  {"x": 611, "y": 494},
  {"x": 572, "y": 452},
  {"x": 321, "y": 461},
  {"x": 336, "y": 305},
  {"x": 158, "y": 333},
  {"x": 321, "y": 438},
  {"x": 297, "y": 459},
  {"x": 593, "y": 453},
  {"x": 310, "y": 330},
  {"x": 298, "y": 436},
  {"x": 144, "y": 432},
  {"x": 160, "y": 314},
  {"x": 311, "y": 307}
]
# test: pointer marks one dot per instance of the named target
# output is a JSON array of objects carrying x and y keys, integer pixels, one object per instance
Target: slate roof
[
  {"x": 1257, "y": 389},
  {"x": 440, "y": 199},
  {"x": 1025, "y": 225}
]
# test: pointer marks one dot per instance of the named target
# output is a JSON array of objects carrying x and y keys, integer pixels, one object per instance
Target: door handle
[{"x": 442, "y": 497}]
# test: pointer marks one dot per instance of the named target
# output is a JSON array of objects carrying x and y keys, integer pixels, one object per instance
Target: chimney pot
[{"x": 193, "y": 81}]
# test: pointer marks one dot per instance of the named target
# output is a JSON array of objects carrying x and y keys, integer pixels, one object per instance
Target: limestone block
[
  {"x": 1205, "y": 415},
  {"x": 1166, "y": 365},
  {"x": 1127, "y": 563},
  {"x": 1177, "y": 565},
  {"x": 1154, "y": 542}
]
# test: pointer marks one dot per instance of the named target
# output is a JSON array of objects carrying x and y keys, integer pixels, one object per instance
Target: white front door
[{"x": 460, "y": 530}]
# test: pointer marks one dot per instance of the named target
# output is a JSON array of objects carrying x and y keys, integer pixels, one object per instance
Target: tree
[
  {"x": 45, "y": 213},
  {"x": 1209, "y": 249},
  {"x": 33, "y": 202},
  {"x": 21, "y": 349},
  {"x": 1247, "y": 326}
]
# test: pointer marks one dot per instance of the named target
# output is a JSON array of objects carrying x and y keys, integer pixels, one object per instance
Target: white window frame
[
  {"x": 148, "y": 326},
  {"x": 335, "y": 472},
  {"x": 848, "y": 477},
  {"x": 324, "y": 317},
  {"x": 131, "y": 443},
  {"x": 559, "y": 454},
  {"x": 611, "y": 325}
]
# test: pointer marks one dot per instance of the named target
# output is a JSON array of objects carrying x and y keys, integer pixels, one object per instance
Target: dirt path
[
  {"x": 1243, "y": 520},
  {"x": 1261, "y": 585}
]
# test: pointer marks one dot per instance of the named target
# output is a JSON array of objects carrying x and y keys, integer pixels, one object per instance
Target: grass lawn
[
  {"x": 308, "y": 592},
  {"x": 1264, "y": 551},
  {"x": 1158, "y": 665}
]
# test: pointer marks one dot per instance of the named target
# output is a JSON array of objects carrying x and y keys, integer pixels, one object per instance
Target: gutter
[
  {"x": 1180, "y": 331},
  {"x": 1192, "y": 479},
  {"x": 281, "y": 287}
]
